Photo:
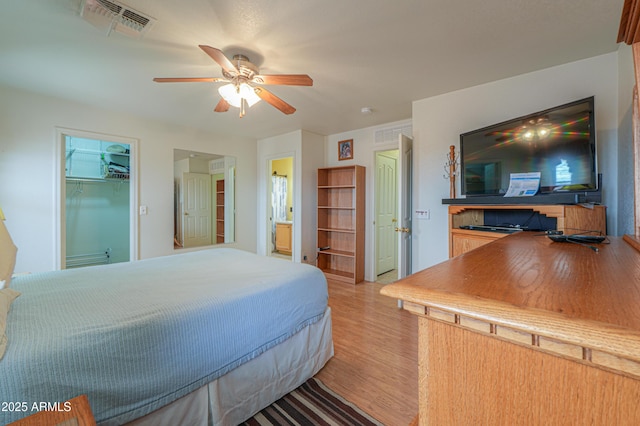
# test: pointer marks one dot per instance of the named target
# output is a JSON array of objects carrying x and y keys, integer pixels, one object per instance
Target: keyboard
[{"x": 491, "y": 228}]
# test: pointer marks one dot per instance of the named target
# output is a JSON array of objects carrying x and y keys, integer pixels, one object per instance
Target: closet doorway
[
  {"x": 386, "y": 211},
  {"x": 96, "y": 199},
  {"x": 280, "y": 186},
  {"x": 393, "y": 211}
]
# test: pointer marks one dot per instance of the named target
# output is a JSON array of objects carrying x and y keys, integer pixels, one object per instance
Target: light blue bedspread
[{"x": 136, "y": 336}]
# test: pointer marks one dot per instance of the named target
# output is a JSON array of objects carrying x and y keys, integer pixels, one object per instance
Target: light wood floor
[{"x": 376, "y": 353}]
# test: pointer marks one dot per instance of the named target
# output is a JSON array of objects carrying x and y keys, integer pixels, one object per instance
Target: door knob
[
  {"x": 394, "y": 220},
  {"x": 186, "y": 214}
]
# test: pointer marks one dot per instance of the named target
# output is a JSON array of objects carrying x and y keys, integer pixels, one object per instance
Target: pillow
[
  {"x": 7, "y": 296},
  {"x": 7, "y": 256}
]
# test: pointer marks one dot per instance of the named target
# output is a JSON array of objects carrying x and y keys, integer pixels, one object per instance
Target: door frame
[
  {"x": 405, "y": 205},
  {"x": 373, "y": 192},
  {"x": 59, "y": 191},
  {"x": 295, "y": 256}
]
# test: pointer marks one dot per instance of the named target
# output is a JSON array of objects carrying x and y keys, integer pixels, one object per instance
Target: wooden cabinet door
[
  {"x": 283, "y": 237},
  {"x": 463, "y": 242}
]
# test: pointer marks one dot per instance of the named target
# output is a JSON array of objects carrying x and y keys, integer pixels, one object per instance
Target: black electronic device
[
  {"x": 586, "y": 239},
  {"x": 491, "y": 228},
  {"x": 558, "y": 142}
]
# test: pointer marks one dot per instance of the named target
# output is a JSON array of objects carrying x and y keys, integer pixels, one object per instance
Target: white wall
[
  {"x": 287, "y": 145},
  {"x": 97, "y": 219},
  {"x": 312, "y": 160},
  {"x": 438, "y": 122},
  {"x": 27, "y": 142},
  {"x": 306, "y": 148}
]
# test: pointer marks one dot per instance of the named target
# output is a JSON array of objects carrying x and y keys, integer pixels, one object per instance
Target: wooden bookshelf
[
  {"x": 220, "y": 211},
  {"x": 341, "y": 210}
]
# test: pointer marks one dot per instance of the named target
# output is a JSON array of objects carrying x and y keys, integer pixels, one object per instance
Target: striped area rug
[{"x": 312, "y": 404}]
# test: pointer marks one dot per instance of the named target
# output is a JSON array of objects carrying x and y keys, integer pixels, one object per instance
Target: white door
[
  {"x": 196, "y": 209},
  {"x": 386, "y": 212},
  {"x": 405, "y": 173}
]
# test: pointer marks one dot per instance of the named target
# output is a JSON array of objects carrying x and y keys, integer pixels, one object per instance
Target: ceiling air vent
[{"x": 114, "y": 16}]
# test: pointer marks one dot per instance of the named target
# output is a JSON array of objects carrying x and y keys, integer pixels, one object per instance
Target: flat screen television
[{"x": 559, "y": 142}]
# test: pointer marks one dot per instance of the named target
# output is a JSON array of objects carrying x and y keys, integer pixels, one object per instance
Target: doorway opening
[
  {"x": 280, "y": 239},
  {"x": 393, "y": 211},
  {"x": 386, "y": 215},
  {"x": 96, "y": 200}
]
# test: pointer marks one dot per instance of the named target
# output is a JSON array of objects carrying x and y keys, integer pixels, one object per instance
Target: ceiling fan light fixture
[
  {"x": 239, "y": 92},
  {"x": 234, "y": 94},
  {"x": 230, "y": 94},
  {"x": 249, "y": 94}
]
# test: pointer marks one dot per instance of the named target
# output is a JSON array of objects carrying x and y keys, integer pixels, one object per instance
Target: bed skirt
[{"x": 238, "y": 395}]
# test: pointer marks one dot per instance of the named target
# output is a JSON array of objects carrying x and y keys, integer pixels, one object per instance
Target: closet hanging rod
[{"x": 94, "y": 152}]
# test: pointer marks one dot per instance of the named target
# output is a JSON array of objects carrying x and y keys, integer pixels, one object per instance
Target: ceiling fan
[{"x": 244, "y": 83}]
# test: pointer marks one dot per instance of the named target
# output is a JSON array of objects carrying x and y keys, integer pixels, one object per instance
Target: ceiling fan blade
[
  {"x": 284, "y": 79},
  {"x": 272, "y": 99},
  {"x": 223, "y": 106},
  {"x": 189, "y": 80},
  {"x": 218, "y": 56}
]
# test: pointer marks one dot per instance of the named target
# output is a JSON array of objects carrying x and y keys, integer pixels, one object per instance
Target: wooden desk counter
[{"x": 527, "y": 331}]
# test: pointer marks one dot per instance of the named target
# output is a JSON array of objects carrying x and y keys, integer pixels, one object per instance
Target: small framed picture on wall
[{"x": 345, "y": 150}]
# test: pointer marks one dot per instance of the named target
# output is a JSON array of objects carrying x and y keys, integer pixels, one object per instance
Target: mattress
[{"x": 137, "y": 336}]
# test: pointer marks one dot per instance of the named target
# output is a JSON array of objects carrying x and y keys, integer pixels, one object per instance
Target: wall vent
[
  {"x": 216, "y": 166},
  {"x": 391, "y": 134},
  {"x": 114, "y": 16}
]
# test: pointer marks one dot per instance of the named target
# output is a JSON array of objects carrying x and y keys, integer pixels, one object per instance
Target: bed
[{"x": 206, "y": 337}]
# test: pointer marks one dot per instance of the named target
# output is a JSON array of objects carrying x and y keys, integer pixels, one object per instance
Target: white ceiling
[{"x": 381, "y": 54}]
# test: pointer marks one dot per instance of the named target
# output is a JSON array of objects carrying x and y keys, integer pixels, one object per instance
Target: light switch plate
[{"x": 423, "y": 214}]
